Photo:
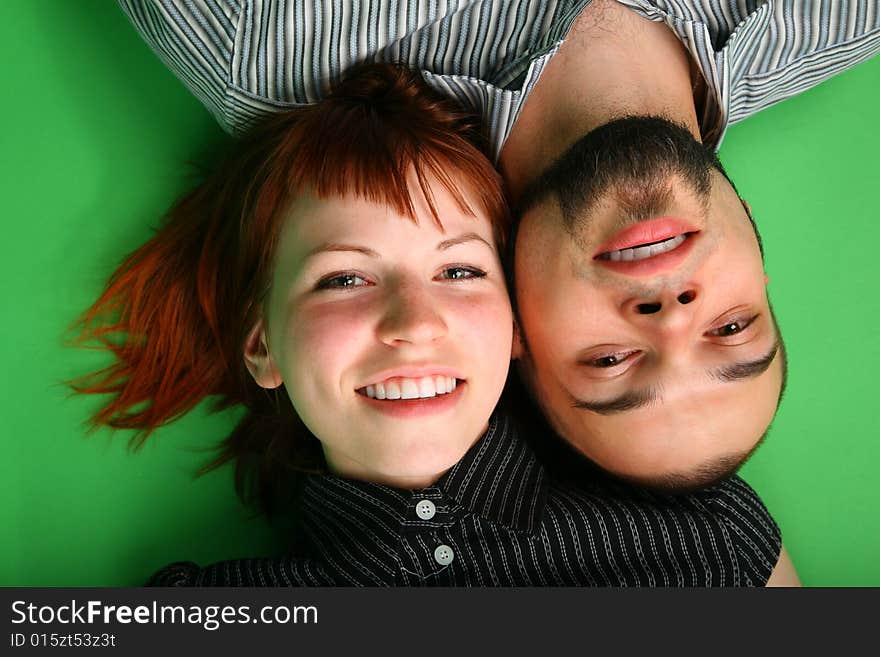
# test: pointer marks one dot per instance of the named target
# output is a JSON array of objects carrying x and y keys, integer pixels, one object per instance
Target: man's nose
[
  {"x": 670, "y": 310},
  {"x": 411, "y": 316},
  {"x": 652, "y": 304}
]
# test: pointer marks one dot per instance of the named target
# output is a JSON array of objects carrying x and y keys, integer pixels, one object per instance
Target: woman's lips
[
  {"x": 411, "y": 371},
  {"x": 646, "y": 232},
  {"x": 410, "y": 388},
  {"x": 417, "y": 407}
]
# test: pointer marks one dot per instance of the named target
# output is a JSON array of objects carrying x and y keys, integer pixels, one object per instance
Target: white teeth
[
  {"x": 427, "y": 387},
  {"x": 642, "y": 252},
  {"x": 409, "y": 389},
  {"x": 392, "y": 390},
  {"x": 423, "y": 388}
]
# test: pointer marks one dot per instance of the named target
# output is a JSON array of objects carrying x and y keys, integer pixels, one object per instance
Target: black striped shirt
[{"x": 500, "y": 518}]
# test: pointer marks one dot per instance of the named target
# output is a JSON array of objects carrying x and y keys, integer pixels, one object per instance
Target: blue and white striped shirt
[{"x": 247, "y": 58}]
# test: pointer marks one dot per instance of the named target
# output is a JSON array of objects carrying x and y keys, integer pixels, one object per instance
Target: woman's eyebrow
[
  {"x": 466, "y": 237},
  {"x": 330, "y": 247}
]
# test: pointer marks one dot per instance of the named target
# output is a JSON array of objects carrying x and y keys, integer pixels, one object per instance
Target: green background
[{"x": 95, "y": 144}]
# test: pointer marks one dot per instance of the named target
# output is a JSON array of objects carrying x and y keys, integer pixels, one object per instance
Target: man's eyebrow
[
  {"x": 638, "y": 398},
  {"x": 330, "y": 247},
  {"x": 466, "y": 237},
  {"x": 747, "y": 369},
  {"x": 625, "y": 402}
]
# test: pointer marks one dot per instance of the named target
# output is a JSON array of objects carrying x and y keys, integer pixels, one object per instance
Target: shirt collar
[{"x": 498, "y": 479}]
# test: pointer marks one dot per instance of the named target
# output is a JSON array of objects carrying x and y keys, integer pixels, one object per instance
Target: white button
[
  {"x": 426, "y": 509},
  {"x": 444, "y": 555}
]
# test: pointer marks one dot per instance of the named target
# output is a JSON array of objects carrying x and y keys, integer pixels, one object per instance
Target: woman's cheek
[
  {"x": 486, "y": 317},
  {"x": 324, "y": 342}
]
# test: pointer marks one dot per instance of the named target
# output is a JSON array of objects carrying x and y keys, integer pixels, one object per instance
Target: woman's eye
[
  {"x": 732, "y": 328},
  {"x": 340, "y": 281},
  {"x": 460, "y": 273}
]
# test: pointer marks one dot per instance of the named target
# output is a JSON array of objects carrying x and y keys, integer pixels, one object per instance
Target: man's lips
[
  {"x": 646, "y": 232},
  {"x": 653, "y": 264},
  {"x": 648, "y": 248}
]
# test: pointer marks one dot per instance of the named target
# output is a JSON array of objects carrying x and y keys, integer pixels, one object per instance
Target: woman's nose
[{"x": 411, "y": 316}]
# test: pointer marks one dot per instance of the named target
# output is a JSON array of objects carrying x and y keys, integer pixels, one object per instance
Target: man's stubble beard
[{"x": 631, "y": 161}]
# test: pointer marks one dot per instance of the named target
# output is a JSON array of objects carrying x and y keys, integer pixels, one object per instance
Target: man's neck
[{"x": 614, "y": 63}]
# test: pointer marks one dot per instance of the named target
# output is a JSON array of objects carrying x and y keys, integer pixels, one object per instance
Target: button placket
[
  {"x": 443, "y": 554},
  {"x": 426, "y": 509}
]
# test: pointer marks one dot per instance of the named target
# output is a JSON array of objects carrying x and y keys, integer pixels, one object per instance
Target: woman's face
[{"x": 366, "y": 304}]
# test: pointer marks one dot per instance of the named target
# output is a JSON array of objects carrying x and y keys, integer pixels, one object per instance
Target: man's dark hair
[{"x": 637, "y": 152}]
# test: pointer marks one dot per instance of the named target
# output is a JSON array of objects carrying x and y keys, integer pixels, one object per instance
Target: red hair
[{"x": 176, "y": 312}]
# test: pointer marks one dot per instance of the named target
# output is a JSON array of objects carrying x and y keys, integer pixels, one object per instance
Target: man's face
[{"x": 663, "y": 365}]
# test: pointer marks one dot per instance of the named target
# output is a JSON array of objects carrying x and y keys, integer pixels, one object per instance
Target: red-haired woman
[{"x": 345, "y": 257}]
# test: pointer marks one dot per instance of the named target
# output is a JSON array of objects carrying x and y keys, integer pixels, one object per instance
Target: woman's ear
[
  {"x": 516, "y": 349},
  {"x": 258, "y": 359}
]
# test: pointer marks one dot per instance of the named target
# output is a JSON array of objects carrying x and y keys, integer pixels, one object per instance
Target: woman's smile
[
  {"x": 410, "y": 388},
  {"x": 415, "y": 404}
]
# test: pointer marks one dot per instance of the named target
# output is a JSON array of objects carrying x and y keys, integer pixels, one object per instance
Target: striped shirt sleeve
[
  {"x": 756, "y": 53},
  {"x": 788, "y": 46},
  {"x": 196, "y": 40}
]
